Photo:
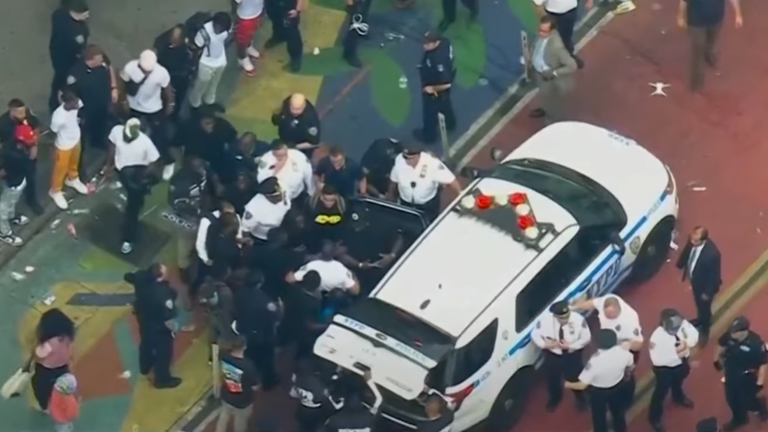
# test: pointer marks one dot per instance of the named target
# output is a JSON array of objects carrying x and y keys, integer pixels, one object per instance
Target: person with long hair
[{"x": 53, "y": 353}]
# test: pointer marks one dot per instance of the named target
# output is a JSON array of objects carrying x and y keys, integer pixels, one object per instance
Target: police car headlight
[
  {"x": 468, "y": 202},
  {"x": 531, "y": 232},
  {"x": 523, "y": 209}
]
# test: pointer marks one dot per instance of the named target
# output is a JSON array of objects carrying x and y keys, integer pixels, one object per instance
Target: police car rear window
[{"x": 402, "y": 326}]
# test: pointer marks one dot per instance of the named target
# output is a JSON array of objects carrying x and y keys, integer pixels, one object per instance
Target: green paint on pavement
[
  {"x": 470, "y": 52},
  {"x": 264, "y": 129},
  {"x": 392, "y": 102},
  {"x": 327, "y": 62},
  {"x": 524, "y": 11}
]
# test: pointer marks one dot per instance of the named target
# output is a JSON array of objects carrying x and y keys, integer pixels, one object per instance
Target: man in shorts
[{"x": 249, "y": 13}]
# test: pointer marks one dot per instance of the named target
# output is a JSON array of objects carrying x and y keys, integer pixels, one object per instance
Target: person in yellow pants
[{"x": 65, "y": 124}]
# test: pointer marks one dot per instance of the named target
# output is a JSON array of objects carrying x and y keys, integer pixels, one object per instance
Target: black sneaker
[
  {"x": 11, "y": 239},
  {"x": 20, "y": 220},
  {"x": 171, "y": 383},
  {"x": 353, "y": 61}
]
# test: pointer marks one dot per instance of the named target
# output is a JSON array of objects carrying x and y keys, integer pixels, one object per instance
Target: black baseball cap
[
  {"x": 432, "y": 36},
  {"x": 560, "y": 309},
  {"x": 269, "y": 186},
  {"x": 739, "y": 324},
  {"x": 411, "y": 149},
  {"x": 606, "y": 339}
]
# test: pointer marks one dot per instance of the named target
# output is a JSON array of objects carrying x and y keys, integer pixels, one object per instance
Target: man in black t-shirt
[
  {"x": 240, "y": 380},
  {"x": 345, "y": 175}
]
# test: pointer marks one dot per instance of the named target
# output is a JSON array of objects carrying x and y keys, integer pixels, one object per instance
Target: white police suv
[{"x": 571, "y": 213}]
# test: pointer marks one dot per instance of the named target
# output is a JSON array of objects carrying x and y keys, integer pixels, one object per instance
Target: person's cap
[
  {"x": 560, "y": 309},
  {"x": 739, "y": 324},
  {"x": 25, "y": 134},
  {"x": 671, "y": 320},
  {"x": 77, "y": 6},
  {"x": 606, "y": 339},
  {"x": 411, "y": 149},
  {"x": 432, "y": 36},
  {"x": 269, "y": 186},
  {"x": 147, "y": 60},
  {"x": 707, "y": 425}
]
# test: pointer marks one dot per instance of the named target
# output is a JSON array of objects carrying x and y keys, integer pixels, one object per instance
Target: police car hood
[
  {"x": 625, "y": 169},
  {"x": 393, "y": 366}
]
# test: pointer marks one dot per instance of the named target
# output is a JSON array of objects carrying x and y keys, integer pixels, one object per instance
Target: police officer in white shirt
[
  {"x": 562, "y": 335},
  {"x": 136, "y": 159},
  {"x": 266, "y": 210},
  {"x": 292, "y": 169},
  {"x": 416, "y": 179},
  {"x": 605, "y": 374},
  {"x": 333, "y": 274},
  {"x": 670, "y": 347},
  {"x": 150, "y": 98}
]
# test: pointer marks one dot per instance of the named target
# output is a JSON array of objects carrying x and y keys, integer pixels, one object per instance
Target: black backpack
[{"x": 194, "y": 24}]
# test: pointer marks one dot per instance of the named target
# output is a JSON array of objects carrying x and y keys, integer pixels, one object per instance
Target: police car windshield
[
  {"x": 587, "y": 201},
  {"x": 402, "y": 326}
]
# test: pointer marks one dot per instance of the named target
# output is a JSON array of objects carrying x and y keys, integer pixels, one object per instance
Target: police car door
[{"x": 606, "y": 262}]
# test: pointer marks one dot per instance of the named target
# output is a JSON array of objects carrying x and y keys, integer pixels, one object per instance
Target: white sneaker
[
  {"x": 59, "y": 199},
  {"x": 20, "y": 220},
  {"x": 168, "y": 171},
  {"x": 625, "y": 7},
  {"x": 253, "y": 52},
  {"x": 126, "y": 248},
  {"x": 77, "y": 185},
  {"x": 11, "y": 239},
  {"x": 247, "y": 66}
]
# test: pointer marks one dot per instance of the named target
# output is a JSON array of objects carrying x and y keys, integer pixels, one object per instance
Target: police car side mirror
[
  {"x": 497, "y": 155},
  {"x": 618, "y": 244}
]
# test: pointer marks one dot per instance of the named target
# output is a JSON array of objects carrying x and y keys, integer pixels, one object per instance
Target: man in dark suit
[{"x": 700, "y": 263}]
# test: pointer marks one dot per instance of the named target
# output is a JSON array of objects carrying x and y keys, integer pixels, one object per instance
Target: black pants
[
  {"x": 431, "y": 106},
  {"x": 557, "y": 368},
  {"x": 96, "y": 126},
  {"x": 742, "y": 397},
  {"x": 449, "y": 8},
  {"x": 703, "y": 40},
  {"x": 565, "y": 23},
  {"x": 203, "y": 270},
  {"x": 668, "y": 379},
  {"x": 604, "y": 400},
  {"x": 155, "y": 351},
  {"x": 30, "y": 191},
  {"x": 285, "y": 29},
  {"x": 156, "y": 126},
  {"x": 134, "y": 203},
  {"x": 359, "y": 9},
  {"x": 180, "y": 89},
  {"x": 431, "y": 208},
  {"x": 42, "y": 383},
  {"x": 311, "y": 419},
  {"x": 261, "y": 352},
  {"x": 703, "y": 314}
]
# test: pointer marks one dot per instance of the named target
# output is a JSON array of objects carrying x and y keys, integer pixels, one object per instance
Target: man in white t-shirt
[
  {"x": 249, "y": 16},
  {"x": 210, "y": 40},
  {"x": 150, "y": 98},
  {"x": 333, "y": 274},
  {"x": 136, "y": 159},
  {"x": 66, "y": 126}
]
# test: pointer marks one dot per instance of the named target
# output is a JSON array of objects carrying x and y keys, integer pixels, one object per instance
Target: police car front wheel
[
  {"x": 653, "y": 252},
  {"x": 510, "y": 404}
]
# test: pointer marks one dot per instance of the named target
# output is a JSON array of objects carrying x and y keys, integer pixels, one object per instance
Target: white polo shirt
[
  {"x": 333, "y": 274},
  {"x": 576, "y": 333},
  {"x": 626, "y": 325},
  {"x": 557, "y": 6},
  {"x": 606, "y": 368},
  {"x": 149, "y": 98},
  {"x": 66, "y": 126},
  {"x": 249, "y": 9},
  {"x": 212, "y": 45},
  {"x": 295, "y": 176},
  {"x": 663, "y": 346},
  {"x": 262, "y": 215},
  {"x": 141, "y": 151},
  {"x": 420, "y": 184}
]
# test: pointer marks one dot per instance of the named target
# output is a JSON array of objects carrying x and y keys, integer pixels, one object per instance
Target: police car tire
[
  {"x": 511, "y": 402},
  {"x": 653, "y": 252}
]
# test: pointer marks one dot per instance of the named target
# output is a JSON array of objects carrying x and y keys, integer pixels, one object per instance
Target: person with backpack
[
  {"x": 210, "y": 41},
  {"x": 285, "y": 16}
]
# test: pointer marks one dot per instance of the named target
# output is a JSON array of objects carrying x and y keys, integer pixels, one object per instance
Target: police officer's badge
[
  {"x": 355, "y": 216},
  {"x": 71, "y": 80},
  {"x": 313, "y": 131},
  {"x": 169, "y": 304},
  {"x": 618, "y": 328},
  {"x": 272, "y": 307},
  {"x": 79, "y": 39},
  {"x": 636, "y": 332},
  {"x": 634, "y": 245},
  {"x": 247, "y": 215},
  {"x": 440, "y": 68}
]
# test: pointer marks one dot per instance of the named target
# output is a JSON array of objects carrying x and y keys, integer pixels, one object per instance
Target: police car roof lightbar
[{"x": 521, "y": 223}]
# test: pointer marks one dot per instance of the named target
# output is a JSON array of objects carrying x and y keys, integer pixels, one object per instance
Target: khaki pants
[
  {"x": 241, "y": 417},
  {"x": 205, "y": 85},
  {"x": 67, "y": 166}
]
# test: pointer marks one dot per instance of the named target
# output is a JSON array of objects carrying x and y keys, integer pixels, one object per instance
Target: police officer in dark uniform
[
  {"x": 439, "y": 416},
  {"x": 742, "y": 356},
  {"x": 377, "y": 163},
  {"x": 285, "y": 16},
  {"x": 92, "y": 80},
  {"x": 354, "y": 416},
  {"x": 69, "y": 36},
  {"x": 298, "y": 124},
  {"x": 155, "y": 309},
  {"x": 437, "y": 72},
  {"x": 317, "y": 402},
  {"x": 357, "y": 11},
  {"x": 256, "y": 318},
  {"x": 449, "y": 12}
]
